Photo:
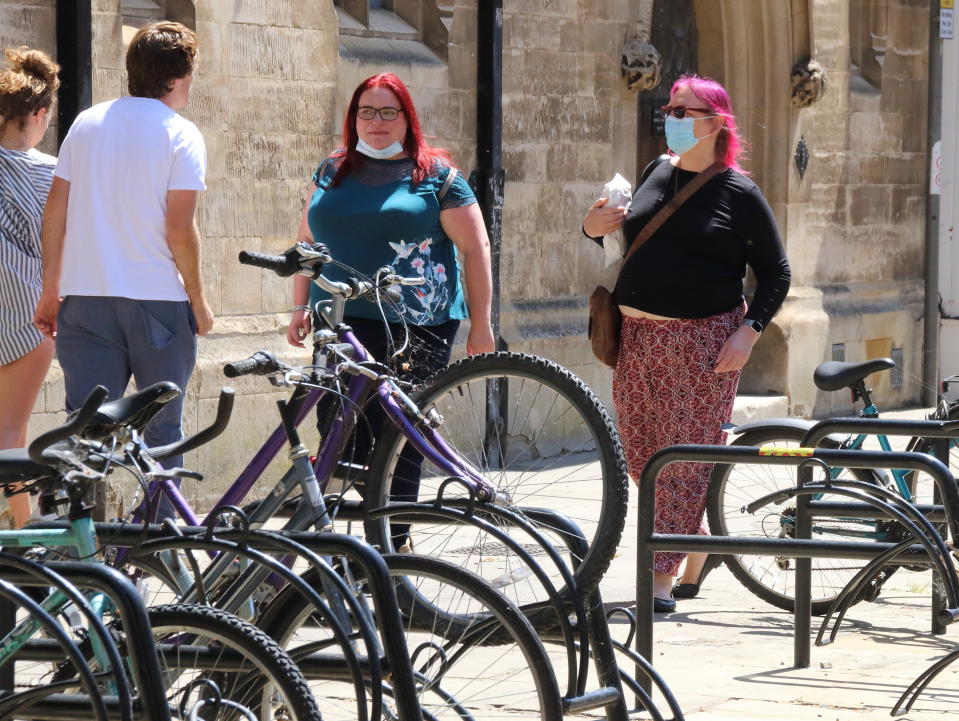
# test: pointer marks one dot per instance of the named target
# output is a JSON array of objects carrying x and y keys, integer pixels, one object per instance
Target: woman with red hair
[
  {"x": 387, "y": 197},
  {"x": 687, "y": 331}
]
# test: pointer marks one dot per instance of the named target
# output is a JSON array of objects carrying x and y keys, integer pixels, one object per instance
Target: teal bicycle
[{"x": 733, "y": 487}]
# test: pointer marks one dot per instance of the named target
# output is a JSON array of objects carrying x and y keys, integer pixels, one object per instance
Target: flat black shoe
[
  {"x": 691, "y": 590},
  {"x": 664, "y": 605}
]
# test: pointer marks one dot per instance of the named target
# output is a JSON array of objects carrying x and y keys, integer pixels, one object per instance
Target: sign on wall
[{"x": 935, "y": 178}]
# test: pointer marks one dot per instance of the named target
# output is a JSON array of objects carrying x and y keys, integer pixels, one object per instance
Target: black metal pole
[
  {"x": 75, "y": 55},
  {"x": 489, "y": 176},
  {"x": 938, "y": 604},
  {"x": 802, "y": 604},
  {"x": 930, "y": 320}
]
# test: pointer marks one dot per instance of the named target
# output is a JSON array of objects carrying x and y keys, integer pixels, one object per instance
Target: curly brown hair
[
  {"x": 27, "y": 85},
  {"x": 159, "y": 54}
]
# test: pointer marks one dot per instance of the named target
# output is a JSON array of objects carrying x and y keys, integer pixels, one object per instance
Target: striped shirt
[{"x": 25, "y": 179}]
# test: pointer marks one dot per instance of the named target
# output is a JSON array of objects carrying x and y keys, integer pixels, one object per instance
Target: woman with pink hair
[{"x": 687, "y": 331}]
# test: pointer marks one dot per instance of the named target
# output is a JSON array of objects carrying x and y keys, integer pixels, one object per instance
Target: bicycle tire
[
  {"x": 548, "y": 420},
  {"x": 272, "y": 678},
  {"x": 446, "y": 593},
  {"x": 772, "y": 578},
  {"x": 921, "y": 485}
]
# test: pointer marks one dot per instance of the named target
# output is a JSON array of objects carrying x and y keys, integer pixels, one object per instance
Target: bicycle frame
[
  {"x": 311, "y": 478},
  {"x": 80, "y": 536},
  {"x": 899, "y": 475}
]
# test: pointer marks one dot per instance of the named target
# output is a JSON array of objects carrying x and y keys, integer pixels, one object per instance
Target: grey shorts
[{"x": 107, "y": 340}]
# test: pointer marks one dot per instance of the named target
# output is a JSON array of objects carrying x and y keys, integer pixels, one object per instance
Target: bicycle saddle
[
  {"x": 833, "y": 375},
  {"x": 134, "y": 410},
  {"x": 16, "y": 466}
]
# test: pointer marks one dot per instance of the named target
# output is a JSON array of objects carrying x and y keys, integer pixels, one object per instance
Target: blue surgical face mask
[
  {"x": 394, "y": 148},
  {"x": 680, "y": 137}
]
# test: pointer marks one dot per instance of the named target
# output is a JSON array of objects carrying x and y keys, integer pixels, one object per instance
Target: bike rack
[
  {"x": 604, "y": 648},
  {"x": 323, "y": 544},
  {"x": 149, "y": 681},
  {"x": 803, "y": 548},
  {"x": 594, "y": 624},
  {"x": 462, "y": 512},
  {"x": 940, "y": 431}
]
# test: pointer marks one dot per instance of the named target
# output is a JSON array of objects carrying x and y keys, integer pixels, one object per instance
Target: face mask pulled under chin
[{"x": 369, "y": 151}]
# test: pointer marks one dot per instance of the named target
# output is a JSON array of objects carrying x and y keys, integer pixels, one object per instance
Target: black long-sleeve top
[{"x": 694, "y": 265}]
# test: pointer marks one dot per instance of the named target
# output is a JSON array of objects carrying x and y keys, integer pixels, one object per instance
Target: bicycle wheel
[
  {"x": 539, "y": 435},
  {"x": 921, "y": 486},
  {"x": 494, "y": 668},
  {"x": 772, "y": 578},
  {"x": 199, "y": 644}
]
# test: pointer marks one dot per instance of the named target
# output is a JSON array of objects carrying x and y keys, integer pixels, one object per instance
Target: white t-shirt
[{"x": 121, "y": 157}]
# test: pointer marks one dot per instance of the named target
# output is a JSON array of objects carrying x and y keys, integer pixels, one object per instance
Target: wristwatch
[{"x": 754, "y": 324}]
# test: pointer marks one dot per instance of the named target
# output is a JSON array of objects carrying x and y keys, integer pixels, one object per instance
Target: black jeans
[{"x": 428, "y": 351}]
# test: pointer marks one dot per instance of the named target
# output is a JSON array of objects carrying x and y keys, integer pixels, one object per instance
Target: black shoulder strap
[
  {"x": 654, "y": 163},
  {"x": 450, "y": 177}
]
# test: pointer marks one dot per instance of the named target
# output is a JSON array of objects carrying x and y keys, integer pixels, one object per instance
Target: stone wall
[
  {"x": 569, "y": 124},
  {"x": 31, "y": 23},
  {"x": 274, "y": 77},
  {"x": 855, "y": 221}
]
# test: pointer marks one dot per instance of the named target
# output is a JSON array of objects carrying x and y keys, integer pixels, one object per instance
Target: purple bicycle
[{"x": 500, "y": 429}]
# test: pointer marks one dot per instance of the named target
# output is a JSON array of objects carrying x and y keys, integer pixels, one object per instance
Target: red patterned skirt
[{"x": 665, "y": 392}]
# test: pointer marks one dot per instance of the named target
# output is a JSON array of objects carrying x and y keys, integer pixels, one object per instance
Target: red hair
[
  {"x": 729, "y": 146},
  {"x": 424, "y": 156}
]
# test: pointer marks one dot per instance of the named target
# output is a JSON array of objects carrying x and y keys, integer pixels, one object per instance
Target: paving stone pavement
[{"x": 728, "y": 655}]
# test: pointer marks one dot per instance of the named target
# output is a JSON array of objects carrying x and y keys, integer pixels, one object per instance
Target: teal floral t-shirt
[{"x": 375, "y": 217}]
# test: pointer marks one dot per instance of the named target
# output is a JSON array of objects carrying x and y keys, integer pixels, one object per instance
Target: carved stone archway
[{"x": 751, "y": 47}]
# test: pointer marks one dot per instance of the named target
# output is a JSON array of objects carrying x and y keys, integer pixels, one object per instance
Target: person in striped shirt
[{"x": 28, "y": 87}]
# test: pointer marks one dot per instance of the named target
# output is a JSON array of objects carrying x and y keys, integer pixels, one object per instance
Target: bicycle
[
  {"x": 193, "y": 643},
  {"x": 519, "y": 430},
  {"x": 733, "y": 487}
]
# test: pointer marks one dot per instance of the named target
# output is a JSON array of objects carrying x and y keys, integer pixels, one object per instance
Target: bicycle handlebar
[
  {"x": 283, "y": 265},
  {"x": 309, "y": 260},
  {"x": 73, "y": 426},
  {"x": 223, "y": 411},
  {"x": 260, "y": 363}
]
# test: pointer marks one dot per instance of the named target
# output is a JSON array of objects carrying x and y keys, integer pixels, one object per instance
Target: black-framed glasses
[
  {"x": 679, "y": 111},
  {"x": 367, "y": 112}
]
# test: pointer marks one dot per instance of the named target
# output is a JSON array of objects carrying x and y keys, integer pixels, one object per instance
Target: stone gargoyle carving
[
  {"x": 808, "y": 82},
  {"x": 641, "y": 65}
]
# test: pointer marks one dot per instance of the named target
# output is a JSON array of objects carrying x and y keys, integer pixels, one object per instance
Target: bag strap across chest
[{"x": 677, "y": 200}]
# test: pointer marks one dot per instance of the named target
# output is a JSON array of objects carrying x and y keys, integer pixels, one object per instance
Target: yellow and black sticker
[{"x": 780, "y": 451}]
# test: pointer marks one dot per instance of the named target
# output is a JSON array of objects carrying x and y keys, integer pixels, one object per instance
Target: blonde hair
[{"x": 27, "y": 85}]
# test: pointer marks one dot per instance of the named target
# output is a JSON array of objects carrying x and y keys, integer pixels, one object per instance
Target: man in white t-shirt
[{"x": 122, "y": 289}]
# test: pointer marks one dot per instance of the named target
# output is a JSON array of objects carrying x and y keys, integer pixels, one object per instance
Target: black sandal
[
  {"x": 691, "y": 590},
  {"x": 664, "y": 605}
]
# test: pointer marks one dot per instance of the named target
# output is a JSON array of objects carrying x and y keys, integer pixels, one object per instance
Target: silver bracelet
[{"x": 305, "y": 308}]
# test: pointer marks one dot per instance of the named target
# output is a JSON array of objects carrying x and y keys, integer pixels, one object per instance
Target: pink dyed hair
[
  {"x": 729, "y": 146},
  {"x": 423, "y": 154}
]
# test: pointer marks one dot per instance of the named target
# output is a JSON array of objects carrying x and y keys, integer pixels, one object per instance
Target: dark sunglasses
[{"x": 679, "y": 111}]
